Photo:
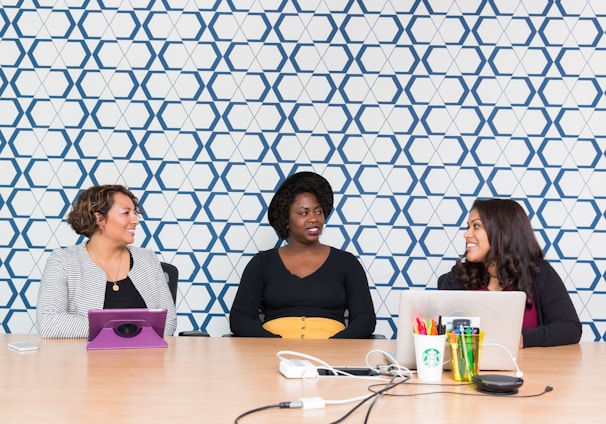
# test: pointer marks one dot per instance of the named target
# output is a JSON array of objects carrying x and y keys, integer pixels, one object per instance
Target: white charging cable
[
  {"x": 393, "y": 368},
  {"x": 281, "y": 355},
  {"x": 519, "y": 373}
]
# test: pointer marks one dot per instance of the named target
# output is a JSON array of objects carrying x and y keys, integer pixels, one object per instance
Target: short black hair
[{"x": 301, "y": 182}]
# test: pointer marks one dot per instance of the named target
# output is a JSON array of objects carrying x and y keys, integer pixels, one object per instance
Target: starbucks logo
[{"x": 431, "y": 358}]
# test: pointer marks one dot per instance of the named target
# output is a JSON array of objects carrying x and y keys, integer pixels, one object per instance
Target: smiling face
[
  {"x": 121, "y": 220},
  {"x": 305, "y": 219},
  {"x": 476, "y": 238}
]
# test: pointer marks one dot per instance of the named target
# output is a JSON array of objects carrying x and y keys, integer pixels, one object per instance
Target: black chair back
[{"x": 172, "y": 274}]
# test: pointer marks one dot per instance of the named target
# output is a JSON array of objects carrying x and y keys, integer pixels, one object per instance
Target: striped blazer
[{"x": 72, "y": 284}]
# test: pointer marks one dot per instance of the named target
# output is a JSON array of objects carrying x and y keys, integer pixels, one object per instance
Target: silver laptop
[{"x": 500, "y": 318}]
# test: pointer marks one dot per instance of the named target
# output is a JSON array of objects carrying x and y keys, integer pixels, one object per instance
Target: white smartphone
[{"x": 23, "y": 346}]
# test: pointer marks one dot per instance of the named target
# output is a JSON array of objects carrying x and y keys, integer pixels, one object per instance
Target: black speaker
[{"x": 497, "y": 384}]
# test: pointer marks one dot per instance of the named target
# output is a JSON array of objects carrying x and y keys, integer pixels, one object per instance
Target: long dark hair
[{"x": 513, "y": 248}]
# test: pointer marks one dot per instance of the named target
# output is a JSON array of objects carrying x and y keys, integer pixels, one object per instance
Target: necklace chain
[{"x": 115, "y": 286}]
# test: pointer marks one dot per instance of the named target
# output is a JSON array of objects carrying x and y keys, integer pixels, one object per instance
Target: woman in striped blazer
[{"x": 105, "y": 271}]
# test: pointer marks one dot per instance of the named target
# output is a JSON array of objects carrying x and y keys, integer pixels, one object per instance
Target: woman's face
[
  {"x": 121, "y": 220},
  {"x": 305, "y": 218},
  {"x": 476, "y": 238}
]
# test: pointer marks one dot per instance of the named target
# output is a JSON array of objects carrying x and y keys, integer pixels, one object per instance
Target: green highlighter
[
  {"x": 463, "y": 361},
  {"x": 470, "y": 358}
]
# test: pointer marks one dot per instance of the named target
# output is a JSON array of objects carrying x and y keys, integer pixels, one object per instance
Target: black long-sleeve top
[
  {"x": 558, "y": 320},
  {"x": 339, "y": 285}
]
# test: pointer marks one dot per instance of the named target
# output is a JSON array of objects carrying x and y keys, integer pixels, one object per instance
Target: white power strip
[{"x": 295, "y": 368}]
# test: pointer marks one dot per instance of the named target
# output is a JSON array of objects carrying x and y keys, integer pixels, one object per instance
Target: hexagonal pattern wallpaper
[{"x": 410, "y": 108}]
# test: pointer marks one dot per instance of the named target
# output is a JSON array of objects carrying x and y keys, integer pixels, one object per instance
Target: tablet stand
[{"x": 112, "y": 336}]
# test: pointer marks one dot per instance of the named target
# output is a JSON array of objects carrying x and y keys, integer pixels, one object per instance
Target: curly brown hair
[
  {"x": 96, "y": 199},
  {"x": 301, "y": 182}
]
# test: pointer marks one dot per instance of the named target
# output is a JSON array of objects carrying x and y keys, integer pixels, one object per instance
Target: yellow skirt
[{"x": 304, "y": 327}]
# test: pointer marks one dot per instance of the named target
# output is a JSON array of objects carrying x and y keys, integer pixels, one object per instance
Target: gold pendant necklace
[{"x": 115, "y": 286}]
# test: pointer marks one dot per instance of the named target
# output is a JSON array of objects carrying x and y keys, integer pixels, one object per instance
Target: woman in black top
[
  {"x": 303, "y": 289},
  {"x": 502, "y": 253}
]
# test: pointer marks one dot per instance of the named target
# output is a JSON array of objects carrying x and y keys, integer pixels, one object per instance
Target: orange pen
[{"x": 434, "y": 329}]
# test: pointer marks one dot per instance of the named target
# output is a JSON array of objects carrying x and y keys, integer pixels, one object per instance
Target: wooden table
[{"x": 213, "y": 380}]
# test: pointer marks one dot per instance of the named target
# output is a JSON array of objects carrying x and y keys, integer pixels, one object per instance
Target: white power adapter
[{"x": 295, "y": 368}]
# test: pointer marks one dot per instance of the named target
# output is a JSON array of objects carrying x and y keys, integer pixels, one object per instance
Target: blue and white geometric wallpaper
[{"x": 410, "y": 108}]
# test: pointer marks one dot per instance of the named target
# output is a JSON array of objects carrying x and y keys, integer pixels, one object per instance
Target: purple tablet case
[{"x": 126, "y": 328}]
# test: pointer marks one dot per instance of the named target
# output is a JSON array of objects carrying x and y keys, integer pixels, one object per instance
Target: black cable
[
  {"x": 384, "y": 391},
  {"x": 374, "y": 401},
  {"x": 298, "y": 404},
  {"x": 375, "y": 395},
  {"x": 441, "y": 384},
  {"x": 280, "y": 405},
  {"x": 388, "y": 386},
  {"x": 547, "y": 389}
]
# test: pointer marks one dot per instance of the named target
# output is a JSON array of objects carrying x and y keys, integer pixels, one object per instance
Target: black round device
[
  {"x": 497, "y": 384},
  {"x": 127, "y": 330}
]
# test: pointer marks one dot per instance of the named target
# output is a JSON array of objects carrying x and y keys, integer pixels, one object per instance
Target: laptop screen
[{"x": 500, "y": 316}]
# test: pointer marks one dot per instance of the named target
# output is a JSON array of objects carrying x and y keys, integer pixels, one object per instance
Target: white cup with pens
[{"x": 430, "y": 341}]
